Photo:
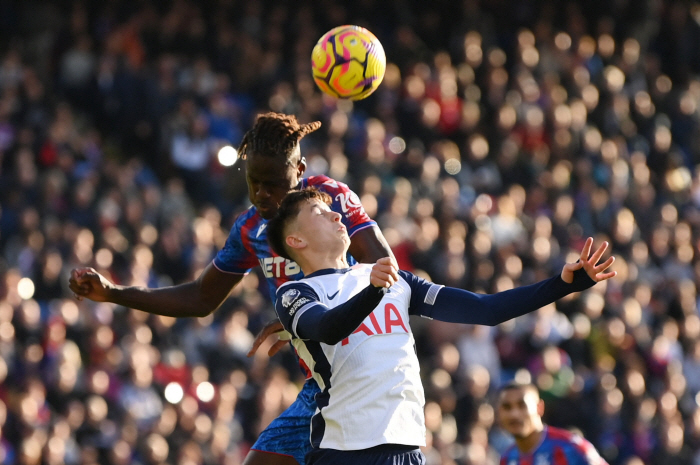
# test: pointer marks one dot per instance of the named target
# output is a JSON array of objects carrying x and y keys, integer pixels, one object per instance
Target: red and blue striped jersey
[
  {"x": 247, "y": 247},
  {"x": 558, "y": 447}
]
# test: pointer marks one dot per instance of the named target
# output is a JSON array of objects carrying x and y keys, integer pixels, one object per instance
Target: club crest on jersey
[
  {"x": 348, "y": 201},
  {"x": 289, "y": 296}
]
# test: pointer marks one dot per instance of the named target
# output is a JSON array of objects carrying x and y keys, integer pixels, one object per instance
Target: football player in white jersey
[{"x": 350, "y": 325}]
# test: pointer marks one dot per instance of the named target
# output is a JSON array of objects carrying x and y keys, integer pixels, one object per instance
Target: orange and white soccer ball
[{"x": 348, "y": 62}]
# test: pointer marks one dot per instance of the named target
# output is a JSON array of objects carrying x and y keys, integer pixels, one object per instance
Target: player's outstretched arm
[
  {"x": 460, "y": 306},
  {"x": 196, "y": 298}
]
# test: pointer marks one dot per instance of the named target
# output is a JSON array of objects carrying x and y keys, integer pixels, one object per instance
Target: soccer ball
[{"x": 348, "y": 62}]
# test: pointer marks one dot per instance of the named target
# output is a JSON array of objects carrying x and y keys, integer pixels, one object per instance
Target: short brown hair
[{"x": 286, "y": 213}]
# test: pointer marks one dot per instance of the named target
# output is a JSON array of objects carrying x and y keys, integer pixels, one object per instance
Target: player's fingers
[
  {"x": 394, "y": 263},
  {"x": 81, "y": 273},
  {"x": 78, "y": 288},
  {"x": 254, "y": 347},
  {"x": 380, "y": 279},
  {"x": 605, "y": 265},
  {"x": 383, "y": 276},
  {"x": 276, "y": 347},
  {"x": 386, "y": 272},
  {"x": 604, "y": 276},
  {"x": 574, "y": 266},
  {"x": 599, "y": 253},
  {"x": 269, "y": 329},
  {"x": 586, "y": 250}
]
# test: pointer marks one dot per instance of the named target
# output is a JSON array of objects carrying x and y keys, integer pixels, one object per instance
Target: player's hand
[
  {"x": 273, "y": 327},
  {"x": 88, "y": 283},
  {"x": 384, "y": 273},
  {"x": 590, "y": 264}
]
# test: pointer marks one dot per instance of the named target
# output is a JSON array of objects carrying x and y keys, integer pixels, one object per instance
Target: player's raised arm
[
  {"x": 197, "y": 298},
  {"x": 461, "y": 306}
]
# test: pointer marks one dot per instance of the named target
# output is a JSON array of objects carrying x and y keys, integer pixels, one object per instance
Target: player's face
[
  {"x": 321, "y": 227},
  {"x": 519, "y": 412},
  {"x": 269, "y": 179}
]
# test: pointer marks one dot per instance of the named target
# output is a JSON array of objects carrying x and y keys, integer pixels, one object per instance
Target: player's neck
[
  {"x": 529, "y": 443},
  {"x": 321, "y": 262}
]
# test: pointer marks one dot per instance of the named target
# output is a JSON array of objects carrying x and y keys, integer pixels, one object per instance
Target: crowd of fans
[{"x": 503, "y": 135}]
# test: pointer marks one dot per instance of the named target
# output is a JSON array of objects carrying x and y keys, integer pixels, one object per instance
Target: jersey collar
[{"x": 327, "y": 271}]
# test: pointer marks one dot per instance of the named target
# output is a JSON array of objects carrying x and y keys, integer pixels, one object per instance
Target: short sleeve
[
  {"x": 344, "y": 201},
  {"x": 234, "y": 257}
]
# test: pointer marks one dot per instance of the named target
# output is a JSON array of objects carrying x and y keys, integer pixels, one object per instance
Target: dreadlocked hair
[{"x": 275, "y": 134}]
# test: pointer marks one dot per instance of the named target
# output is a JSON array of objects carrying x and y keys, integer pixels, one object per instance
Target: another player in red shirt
[{"x": 520, "y": 411}]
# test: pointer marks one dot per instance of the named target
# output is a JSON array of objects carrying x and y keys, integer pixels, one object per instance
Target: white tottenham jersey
[{"x": 371, "y": 391}]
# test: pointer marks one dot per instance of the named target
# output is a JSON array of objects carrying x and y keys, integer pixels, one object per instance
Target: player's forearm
[
  {"x": 175, "y": 301},
  {"x": 459, "y": 306},
  {"x": 331, "y": 326}
]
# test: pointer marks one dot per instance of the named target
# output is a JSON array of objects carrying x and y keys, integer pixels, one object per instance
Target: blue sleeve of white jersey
[
  {"x": 292, "y": 300},
  {"x": 301, "y": 313},
  {"x": 460, "y": 306}
]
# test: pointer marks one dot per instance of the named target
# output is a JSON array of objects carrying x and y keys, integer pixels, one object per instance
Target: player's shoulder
[
  {"x": 248, "y": 217},
  {"x": 559, "y": 434},
  {"x": 574, "y": 442},
  {"x": 297, "y": 284},
  {"x": 325, "y": 184},
  {"x": 361, "y": 268},
  {"x": 291, "y": 291}
]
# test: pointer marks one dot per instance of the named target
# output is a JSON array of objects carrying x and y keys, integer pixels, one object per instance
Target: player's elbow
[
  {"x": 492, "y": 317},
  {"x": 202, "y": 310},
  {"x": 332, "y": 340}
]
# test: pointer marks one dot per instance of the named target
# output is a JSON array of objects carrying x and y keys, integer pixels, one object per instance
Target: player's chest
[
  {"x": 540, "y": 457},
  {"x": 273, "y": 266},
  {"x": 389, "y": 317}
]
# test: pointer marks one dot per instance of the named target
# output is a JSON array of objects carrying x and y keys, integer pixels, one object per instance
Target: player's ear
[
  {"x": 540, "y": 407},
  {"x": 301, "y": 167},
  {"x": 295, "y": 242}
]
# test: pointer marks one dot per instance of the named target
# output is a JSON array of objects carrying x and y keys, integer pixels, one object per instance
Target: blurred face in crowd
[
  {"x": 270, "y": 178},
  {"x": 520, "y": 411}
]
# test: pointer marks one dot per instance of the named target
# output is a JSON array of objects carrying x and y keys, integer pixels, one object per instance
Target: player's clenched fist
[
  {"x": 384, "y": 273},
  {"x": 87, "y": 282}
]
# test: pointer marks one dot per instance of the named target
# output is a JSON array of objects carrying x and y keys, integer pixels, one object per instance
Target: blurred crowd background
[{"x": 503, "y": 135}]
